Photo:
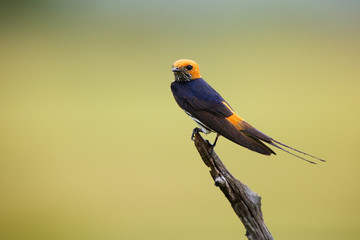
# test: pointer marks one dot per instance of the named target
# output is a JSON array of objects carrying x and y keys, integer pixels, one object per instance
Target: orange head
[{"x": 185, "y": 70}]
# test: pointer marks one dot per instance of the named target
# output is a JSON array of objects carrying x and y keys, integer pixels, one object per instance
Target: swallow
[{"x": 213, "y": 114}]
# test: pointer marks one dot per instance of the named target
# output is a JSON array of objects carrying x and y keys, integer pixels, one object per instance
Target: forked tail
[{"x": 273, "y": 142}]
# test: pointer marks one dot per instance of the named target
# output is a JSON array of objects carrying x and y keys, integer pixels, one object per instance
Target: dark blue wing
[
  {"x": 197, "y": 95},
  {"x": 206, "y": 105}
]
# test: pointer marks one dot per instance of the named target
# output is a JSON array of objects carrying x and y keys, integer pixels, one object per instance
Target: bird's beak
[{"x": 175, "y": 69}]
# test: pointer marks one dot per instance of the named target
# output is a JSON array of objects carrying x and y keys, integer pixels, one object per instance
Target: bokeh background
[{"x": 93, "y": 145}]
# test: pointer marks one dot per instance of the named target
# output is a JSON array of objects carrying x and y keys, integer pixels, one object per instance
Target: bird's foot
[
  {"x": 213, "y": 145},
  {"x": 195, "y": 130}
]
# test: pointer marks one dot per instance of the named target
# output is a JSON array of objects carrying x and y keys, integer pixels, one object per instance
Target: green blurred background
[{"x": 93, "y": 145}]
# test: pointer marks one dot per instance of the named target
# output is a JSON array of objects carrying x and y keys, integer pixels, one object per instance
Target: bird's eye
[{"x": 189, "y": 67}]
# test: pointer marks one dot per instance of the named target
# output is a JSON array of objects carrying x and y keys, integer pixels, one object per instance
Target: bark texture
[{"x": 246, "y": 203}]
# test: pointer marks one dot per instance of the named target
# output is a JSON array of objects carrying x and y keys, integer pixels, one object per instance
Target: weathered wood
[{"x": 246, "y": 203}]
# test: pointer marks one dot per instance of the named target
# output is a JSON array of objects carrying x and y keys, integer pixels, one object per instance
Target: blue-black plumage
[{"x": 213, "y": 114}]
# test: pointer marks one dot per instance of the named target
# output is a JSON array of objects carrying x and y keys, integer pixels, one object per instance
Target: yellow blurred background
[{"x": 93, "y": 145}]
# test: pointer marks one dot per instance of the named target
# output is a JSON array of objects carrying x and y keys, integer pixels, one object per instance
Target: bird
[{"x": 213, "y": 114}]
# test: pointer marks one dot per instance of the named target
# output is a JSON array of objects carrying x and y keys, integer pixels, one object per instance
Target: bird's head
[{"x": 185, "y": 70}]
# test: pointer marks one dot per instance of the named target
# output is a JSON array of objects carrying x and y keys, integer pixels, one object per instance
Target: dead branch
[{"x": 246, "y": 203}]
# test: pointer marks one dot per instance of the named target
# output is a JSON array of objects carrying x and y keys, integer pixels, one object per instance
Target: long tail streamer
[{"x": 275, "y": 145}]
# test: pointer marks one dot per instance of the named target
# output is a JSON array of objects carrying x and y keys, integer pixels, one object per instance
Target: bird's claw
[{"x": 195, "y": 131}]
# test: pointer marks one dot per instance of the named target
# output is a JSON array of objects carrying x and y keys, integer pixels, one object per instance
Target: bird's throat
[{"x": 182, "y": 76}]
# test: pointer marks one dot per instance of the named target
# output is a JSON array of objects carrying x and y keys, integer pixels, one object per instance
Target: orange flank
[
  {"x": 183, "y": 63},
  {"x": 235, "y": 119}
]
